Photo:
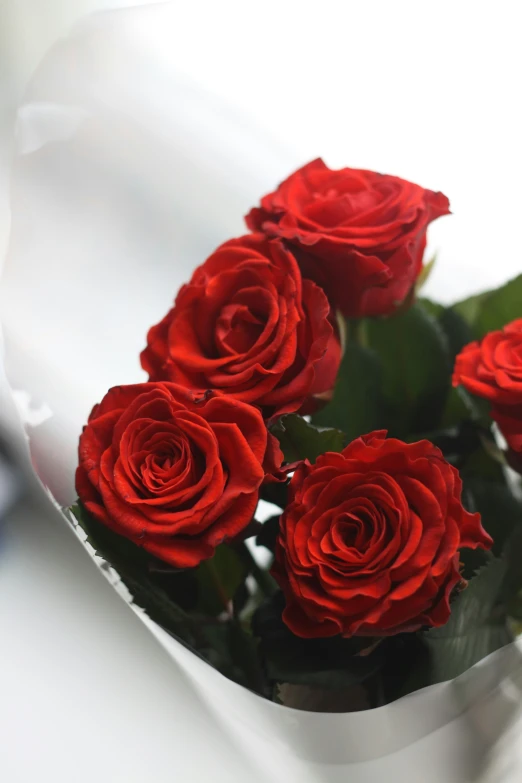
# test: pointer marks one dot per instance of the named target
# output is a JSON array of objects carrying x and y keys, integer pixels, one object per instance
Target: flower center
[
  {"x": 355, "y": 528},
  {"x": 237, "y": 329}
]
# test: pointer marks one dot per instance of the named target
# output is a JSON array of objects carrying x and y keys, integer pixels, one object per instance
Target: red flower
[
  {"x": 248, "y": 325},
  {"x": 362, "y": 235},
  {"x": 492, "y": 369},
  {"x": 175, "y": 474},
  {"x": 369, "y": 543}
]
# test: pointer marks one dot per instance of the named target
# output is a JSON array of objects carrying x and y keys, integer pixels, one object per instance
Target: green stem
[
  {"x": 264, "y": 581},
  {"x": 211, "y": 568},
  {"x": 357, "y": 332}
]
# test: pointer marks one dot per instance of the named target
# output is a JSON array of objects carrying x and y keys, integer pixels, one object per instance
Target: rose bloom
[
  {"x": 492, "y": 369},
  {"x": 248, "y": 325},
  {"x": 369, "y": 543},
  {"x": 361, "y": 234},
  {"x": 175, "y": 473}
]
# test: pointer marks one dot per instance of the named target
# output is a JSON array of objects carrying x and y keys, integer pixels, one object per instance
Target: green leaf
[
  {"x": 501, "y": 512},
  {"x": 469, "y": 309},
  {"x": 407, "y": 665},
  {"x": 416, "y": 366},
  {"x": 425, "y": 273},
  {"x": 219, "y": 579},
  {"x": 492, "y": 310},
  {"x": 265, "y": 581},
  {"x": 455, "y": 409},
  {"x": 512, "y": 588},
  {"x": 207, "y": 589},
  {"x": 153, "y": 587},
  {"x": 300, "y": 440},
  {"x": 459, "y": 405},
  {"x": 457, "y": 330},
  {"x": 482, "y": 466},
  {"x": 241, "y": 599},
  {"x": 132, "y": 564},
  {"x": 476, "y": 628},
  {"x": 326, "y": 663},
  {"x": 456, "y": 443},
  {"x": 276, "y": 493},
  {"x": 432, "y": 308},
  {"x": 356, "y": 407},
  {"x": 232, "y": 651},
  {"x": 108, "y": 544},
  {"x": 500, "y": 307},
  {"x": 268, "y": 534}
]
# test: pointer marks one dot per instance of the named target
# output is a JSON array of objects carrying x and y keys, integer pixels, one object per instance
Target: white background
[{"x": 427, "y": 92}]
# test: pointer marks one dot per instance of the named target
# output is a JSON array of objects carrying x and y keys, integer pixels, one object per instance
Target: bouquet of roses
[{"x": 316, "y": 489}]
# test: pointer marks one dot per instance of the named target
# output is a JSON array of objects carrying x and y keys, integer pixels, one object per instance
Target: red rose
[
  {"x": 492, "y": 369},
  {"x": 175, "y": 474},
  {"x": 362, "y": 234},
  {"x": 369, "y": 543},
  {"x": 248, "y": 325}
]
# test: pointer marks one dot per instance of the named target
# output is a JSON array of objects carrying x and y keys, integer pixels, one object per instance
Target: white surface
[
  {"x": 87, "y": 693},
  {"x": 129, "y": 173},
  {"x": 27, "y": 29}
]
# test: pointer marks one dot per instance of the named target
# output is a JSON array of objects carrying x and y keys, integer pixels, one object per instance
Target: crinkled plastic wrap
[{"x": 125, "y": 177}]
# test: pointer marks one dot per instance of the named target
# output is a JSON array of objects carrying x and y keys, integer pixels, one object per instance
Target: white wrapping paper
[{"x": 126, "y": 175}]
